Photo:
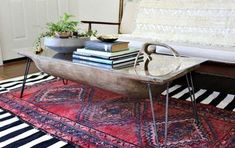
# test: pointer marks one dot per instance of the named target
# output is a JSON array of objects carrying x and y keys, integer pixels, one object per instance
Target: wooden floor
[
  {"x": 15, "y": 68},
  {"x": 217, "y": 69}
]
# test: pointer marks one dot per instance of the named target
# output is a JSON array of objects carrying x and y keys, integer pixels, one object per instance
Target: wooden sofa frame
[{"x": 121, "y": 5}]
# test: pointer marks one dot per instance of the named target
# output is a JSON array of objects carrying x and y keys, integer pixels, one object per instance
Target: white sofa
[{"x": 195, "y": 28}]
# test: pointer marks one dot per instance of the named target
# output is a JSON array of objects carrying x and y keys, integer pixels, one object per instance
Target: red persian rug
[{"x": 92, "y": 117}]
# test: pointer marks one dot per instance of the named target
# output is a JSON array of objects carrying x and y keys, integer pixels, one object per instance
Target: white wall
[
  {"x": 22, "y": 20},
  {"x": 1, "y": 62},
  {"x": 100, "y": 10},
  {"x": 91, "y": 10}
]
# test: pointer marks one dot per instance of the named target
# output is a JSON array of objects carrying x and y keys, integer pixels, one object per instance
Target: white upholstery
[
  {"x": 205, "y": 28},
  {"x": 128, "y": 19},
  {"x": 217, "y": 54},
  {"x": 226, "y": 55}
]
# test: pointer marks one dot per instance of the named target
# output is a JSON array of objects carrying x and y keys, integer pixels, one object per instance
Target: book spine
[
  {"x": 93, "y": 59},
  {"x": 90, "y": 55},
  {"x": 126, "y": 66},
  {"x": 126, "y": 59},
  {"x": 92, "y": 63},
  {"x": 103, "y": 56},
  {"x": 127, "y": 63},
  {"x": 123, "y": 55},
  {"x": 98, "y": 46}
]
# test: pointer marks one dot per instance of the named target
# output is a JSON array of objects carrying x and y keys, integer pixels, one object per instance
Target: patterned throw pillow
[{"x": 205, "y": 22}]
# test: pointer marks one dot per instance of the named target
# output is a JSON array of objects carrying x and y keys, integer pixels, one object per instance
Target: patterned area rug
[
  {"x": 91, "y": 117},
  {"x": 14, "y": 132}
]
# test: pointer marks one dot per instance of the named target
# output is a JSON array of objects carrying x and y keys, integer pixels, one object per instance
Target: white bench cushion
[
  {"x": 205, "y": 22},
  {"x": 129, "y": 17},
  {"x": 197, "y": 28},
  {"x": 217, "y": 54}
]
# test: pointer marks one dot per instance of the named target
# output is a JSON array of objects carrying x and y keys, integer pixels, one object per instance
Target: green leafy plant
[
  {"x": 88, "y": 33},
  {"x": 64, "y": 27},
  {"x": 65, "y": 24}
]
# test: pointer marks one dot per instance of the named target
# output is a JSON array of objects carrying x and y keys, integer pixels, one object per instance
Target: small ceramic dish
[{"x": 107, "y": 38}]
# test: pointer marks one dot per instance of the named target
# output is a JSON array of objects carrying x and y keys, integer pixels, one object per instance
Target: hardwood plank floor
[
  {"x": 15, "y": 68},
  {"x": 217, "y": 69}
]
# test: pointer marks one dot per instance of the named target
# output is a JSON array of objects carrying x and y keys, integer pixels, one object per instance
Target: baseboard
[
  {"x": 217, "y": 69},
  {"x": 14, "y": 60}
]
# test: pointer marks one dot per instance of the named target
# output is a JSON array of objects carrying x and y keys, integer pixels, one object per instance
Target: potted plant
[{"x": 63, "y": 36}]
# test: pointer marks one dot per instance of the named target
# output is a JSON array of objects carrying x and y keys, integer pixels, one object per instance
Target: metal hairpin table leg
[
  {"x": 25, "y": 76},
  {"x": 192, "y": 96},
  {"x": 153, "y": 115},
  {"x": 166, "y": 114}
]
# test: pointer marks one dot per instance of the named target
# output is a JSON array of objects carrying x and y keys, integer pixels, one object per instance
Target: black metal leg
[
  {"x": 28, "y": 63},
  {"x": 166, "y": 114},
  {"x": 154, "y": 118},
  {"x": 153, "y": 115},
  {"x": 192, "y": 96}
]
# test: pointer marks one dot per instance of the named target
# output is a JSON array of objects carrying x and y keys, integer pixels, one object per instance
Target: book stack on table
[{"x": 111, "y": 55}]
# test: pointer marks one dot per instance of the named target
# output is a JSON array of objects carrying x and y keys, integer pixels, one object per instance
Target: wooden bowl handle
[{"x": 148, "y": 51}]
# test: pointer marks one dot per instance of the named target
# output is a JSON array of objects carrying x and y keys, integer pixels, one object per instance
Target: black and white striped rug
[
  {"x": 219, "y": 99},
  {"x": 16, "y": 133}
]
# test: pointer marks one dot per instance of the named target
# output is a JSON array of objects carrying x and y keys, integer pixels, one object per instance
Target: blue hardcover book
[
  {"x": 92, "y": 59},
  {"x": 106, "y": 46},
  {"x": 107, "y": 66},
  {"x": 107, "y": 61}
]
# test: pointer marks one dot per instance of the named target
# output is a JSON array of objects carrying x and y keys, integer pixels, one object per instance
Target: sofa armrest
[{"x": 97, "y": 22}]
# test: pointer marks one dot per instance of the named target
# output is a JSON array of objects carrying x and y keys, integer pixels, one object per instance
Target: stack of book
[{"x": 111, "y": 55}]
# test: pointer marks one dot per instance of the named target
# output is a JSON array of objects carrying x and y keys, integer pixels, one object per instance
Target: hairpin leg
[
  {"x": 166, "y": 114},
  {"x": 154, "y": 118},
  {"x": 28, "y": 63},
  {"x": 192, "y": 96},
  {"x": 153, "y": 115}
]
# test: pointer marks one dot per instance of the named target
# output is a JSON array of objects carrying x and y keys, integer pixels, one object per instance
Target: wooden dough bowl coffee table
[{"x": 146, "y": 80}]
